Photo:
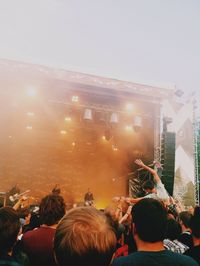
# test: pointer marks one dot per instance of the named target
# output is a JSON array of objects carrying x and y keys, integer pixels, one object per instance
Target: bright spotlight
[
  {"x": 73, "y": 144},
  {"x": 129, "y": 107},
  {"x": 128, "y": 128},
  {"x": 31, "y": 91},
  {"x": 63, "y": 132},
  {"x": 114, "y": 118},
  {"x": 114, "y": 147},
  {"x": 103, "y": 137},
  {"x": 75, "y": 98},
  {"x": 30, "y": 114},
  {"x": 68, "y": 119},
  {"x": 137, "y": 123},
  {"x": 87, "y": 114},
  {"x": 29, "y": 127}
]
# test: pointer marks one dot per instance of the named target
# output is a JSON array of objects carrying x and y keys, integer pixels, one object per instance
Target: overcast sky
[{"x": 150, "y": 41}]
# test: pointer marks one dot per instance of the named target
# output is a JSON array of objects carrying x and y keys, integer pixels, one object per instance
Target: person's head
[
  {"x": 185, "y": 219},
  {"x": 9, "y": 229},
  {"x": 149, "y": 220},
  {"x": 195, "y": 223},
  {"x": 173, "y": 229},
  {"x": 84, "y": 237},
  {"x": 148, "y": 186},
  {"x": 52, "y": 209}
]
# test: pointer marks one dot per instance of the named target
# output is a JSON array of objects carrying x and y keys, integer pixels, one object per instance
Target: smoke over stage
[{"x": 77, "y": 130}]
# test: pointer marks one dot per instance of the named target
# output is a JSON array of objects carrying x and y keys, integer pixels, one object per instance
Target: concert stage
[{"x": 79, "y": 131}]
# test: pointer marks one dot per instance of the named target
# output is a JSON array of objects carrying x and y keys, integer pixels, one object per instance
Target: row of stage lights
[
  {"x": 136, "y": 124},
  {"x": 88, "y": 115}
]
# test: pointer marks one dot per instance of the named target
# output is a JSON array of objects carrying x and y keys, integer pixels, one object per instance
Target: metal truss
[
  {"x": 157, "y": 134},
  {"x": 196, "y": 143}
]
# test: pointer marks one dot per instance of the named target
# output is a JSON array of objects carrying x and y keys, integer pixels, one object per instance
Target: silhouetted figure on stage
[
  {"x": 89, "y": 199},
  {"x": 14, "y": 190},
  {"x": 56, "y": 190},
  {"x": 12, "y": 195}
]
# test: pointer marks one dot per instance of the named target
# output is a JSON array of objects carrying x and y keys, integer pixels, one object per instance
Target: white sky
[{"x": 151, "y": 41}]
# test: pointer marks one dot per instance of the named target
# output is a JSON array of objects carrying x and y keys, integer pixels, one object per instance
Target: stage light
[
  {"x": 31, "y": 91},
  {"x": 129, "y": 107},
  {"x": 137, "y": 123},
  {"x": 87, "y": 114},
  {"x": 30, "y": 114},
  {"x": 63, "y": 132},
  {"x": 103, "y": 137},
  {"x": 108, "y": 134},
  {"x": 114, "y": 118},
  {"x": 128, "y": 128},
  {"x": 29, "y": 127},
  {"x": 114, "y": 147},
  {"x": 68, "y": 119},
  {"x": 75, "y": 98},
  {"x": 73, "y": 144}
]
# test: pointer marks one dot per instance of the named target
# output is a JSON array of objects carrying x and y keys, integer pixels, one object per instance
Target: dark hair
[
  {"x": 84, "y": 237},
  {"x": 173, "y": 229},
  {"x": 149, "y": 184},
  {"x": 119, "y": 229},
  {"x": 23, "y": 213},
  {"x": 150, "y": 219},
  {"x": 195, "y": 222},
  {"x": 9, "y": 229},
  {"x": 185, "y": 217},
  {"x": 52, "y": 209}
]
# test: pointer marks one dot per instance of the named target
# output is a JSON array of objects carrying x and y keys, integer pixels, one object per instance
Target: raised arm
[{"x": 149, "y": 169}]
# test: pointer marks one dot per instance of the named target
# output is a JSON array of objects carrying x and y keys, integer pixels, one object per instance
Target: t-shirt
[
  {"x": 194, "y": 252},
  {"x": 38, "y": 245},
  {"x": 158, "y": 258},
  {"x": 186, "y": 238},
  {"x": 8, "y": 261},
  {"x": 161, "y": 193}
]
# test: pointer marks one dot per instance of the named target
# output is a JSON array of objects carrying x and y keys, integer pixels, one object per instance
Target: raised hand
[{"x": 139, "y": 162}]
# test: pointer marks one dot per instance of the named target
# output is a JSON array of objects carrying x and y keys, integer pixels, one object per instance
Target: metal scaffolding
[{"x": 196, "y": 142}]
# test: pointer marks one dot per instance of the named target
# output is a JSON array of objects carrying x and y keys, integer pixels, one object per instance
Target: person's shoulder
[
  {"x": 9, "y": 262},
  {"x": 122, "y": 261},
  {"x": 125, "y": 260},
  {"x": 159, "y": 184},
  {"x": 30, "y": 233},
  {"x": 182, "y": 259}
]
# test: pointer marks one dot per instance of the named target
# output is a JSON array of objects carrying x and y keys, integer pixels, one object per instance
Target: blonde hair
[{"x": 84, "y": 237}]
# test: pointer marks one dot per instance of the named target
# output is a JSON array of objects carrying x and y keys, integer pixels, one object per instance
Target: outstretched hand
[{"x": 139, "y": 162}]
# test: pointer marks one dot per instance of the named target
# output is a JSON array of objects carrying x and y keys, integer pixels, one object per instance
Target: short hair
[
  {"x": 185, "y": 217},
  {"x": 150, "y": 219},
  {"x": 173, "y": 229},
  {"x": 52, "y": 209},
  {"x": 195, "y": 222},
  {"x": 9, "y": 229},
  {"x": 84, "y": 237},
  {"x": 149, "y": 184}
]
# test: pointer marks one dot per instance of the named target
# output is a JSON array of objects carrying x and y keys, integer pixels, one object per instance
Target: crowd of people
[{"x": 142, "y": 231}]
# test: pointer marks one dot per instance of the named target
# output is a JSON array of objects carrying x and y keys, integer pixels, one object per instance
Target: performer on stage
[
  {"x": 88, "y": 198},
  {"x": 56, "y": 190},
  {"x": 14, "y": 190},
  {"x": 12, "y": 195}
]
